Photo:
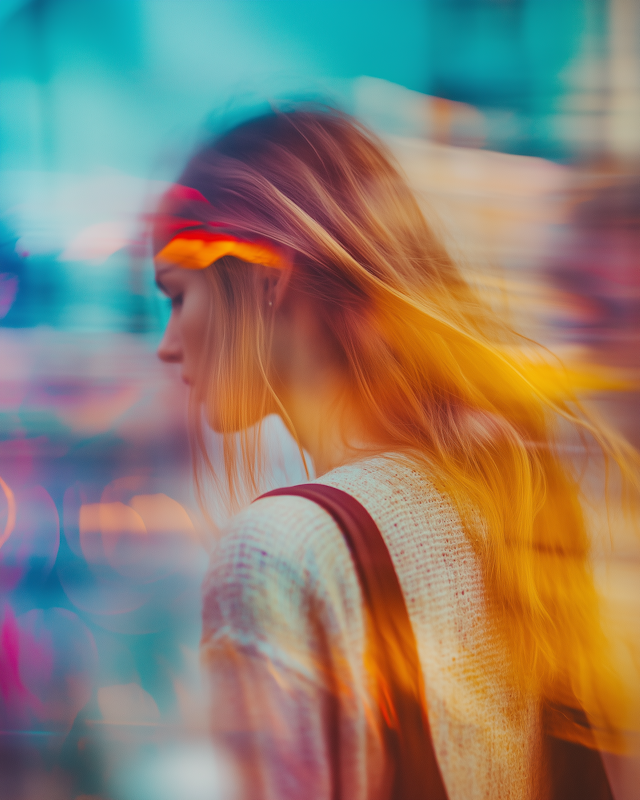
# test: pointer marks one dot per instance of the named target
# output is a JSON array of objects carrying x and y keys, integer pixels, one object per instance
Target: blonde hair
[{"x": 430, "y": 364}]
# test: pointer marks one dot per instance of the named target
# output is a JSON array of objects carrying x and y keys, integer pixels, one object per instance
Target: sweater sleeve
[{"x": 282, "y": 654}]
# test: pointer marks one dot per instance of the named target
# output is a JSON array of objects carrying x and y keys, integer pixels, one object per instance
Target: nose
[{"x": 170, "y": 347}]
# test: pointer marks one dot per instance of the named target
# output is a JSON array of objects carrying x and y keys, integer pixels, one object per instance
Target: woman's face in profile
[{"x": 185, "y": 334}]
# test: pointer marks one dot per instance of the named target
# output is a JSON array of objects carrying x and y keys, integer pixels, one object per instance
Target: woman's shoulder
[
  {"x": 398, "y": 491},
  {"x": 276, "y": 564},
  {"x": 272, "y": 532},
  {"x": 294, "y": 535}
]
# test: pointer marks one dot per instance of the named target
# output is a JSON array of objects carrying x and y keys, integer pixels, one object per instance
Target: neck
[
  {"x": 310, "y": 382},
  {"x": 328, "y": 426},
  {"x": 321, "y": 428}
]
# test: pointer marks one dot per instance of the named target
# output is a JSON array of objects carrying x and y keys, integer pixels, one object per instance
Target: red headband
[{"x": 195, "y": 247}]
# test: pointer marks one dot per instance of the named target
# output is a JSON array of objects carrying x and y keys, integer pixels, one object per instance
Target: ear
[
  {"x": 282, "y": 282},
  {"x": 278, "y": 281}
]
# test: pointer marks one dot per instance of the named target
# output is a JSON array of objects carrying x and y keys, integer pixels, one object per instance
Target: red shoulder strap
[{"x": 391, "y": 644}]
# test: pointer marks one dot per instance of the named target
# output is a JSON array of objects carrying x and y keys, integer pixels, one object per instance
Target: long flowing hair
[{"x": 428, "y": 363}]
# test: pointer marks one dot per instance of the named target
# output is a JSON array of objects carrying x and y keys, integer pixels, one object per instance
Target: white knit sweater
[{"x": 284, "y": 630}]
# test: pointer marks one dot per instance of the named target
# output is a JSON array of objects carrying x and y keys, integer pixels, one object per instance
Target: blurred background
[{"x": 517, "y": 122}]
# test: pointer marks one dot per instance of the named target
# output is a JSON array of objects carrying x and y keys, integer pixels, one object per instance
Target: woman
[{"x": 305, "y": 282}]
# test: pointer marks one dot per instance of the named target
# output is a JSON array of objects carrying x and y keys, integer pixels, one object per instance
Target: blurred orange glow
[
  {"x": 126, "y": 535},
  {"x": 161, "y": 514},
  {"x": 102, "y": 524},
  {"x": 11, "y": 512}
]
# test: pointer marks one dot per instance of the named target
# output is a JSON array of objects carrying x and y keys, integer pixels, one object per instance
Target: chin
[
  {"x": 228, "y": 426},
  {"x": 216, "y": 425},
  {"x": 219, "y": 425}
]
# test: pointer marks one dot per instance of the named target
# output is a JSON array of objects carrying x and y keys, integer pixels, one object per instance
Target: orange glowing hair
[{"x": 431, "y": 365}]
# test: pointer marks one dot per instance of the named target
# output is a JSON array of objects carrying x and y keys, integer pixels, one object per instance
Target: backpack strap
[{"x": 391, "y": 644}]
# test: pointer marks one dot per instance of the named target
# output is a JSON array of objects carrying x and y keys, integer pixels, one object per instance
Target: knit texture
[{"x": 284, "y": 640}]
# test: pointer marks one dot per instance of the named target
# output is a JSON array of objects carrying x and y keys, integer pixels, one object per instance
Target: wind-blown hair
[{"x": 428, "y": 363}]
